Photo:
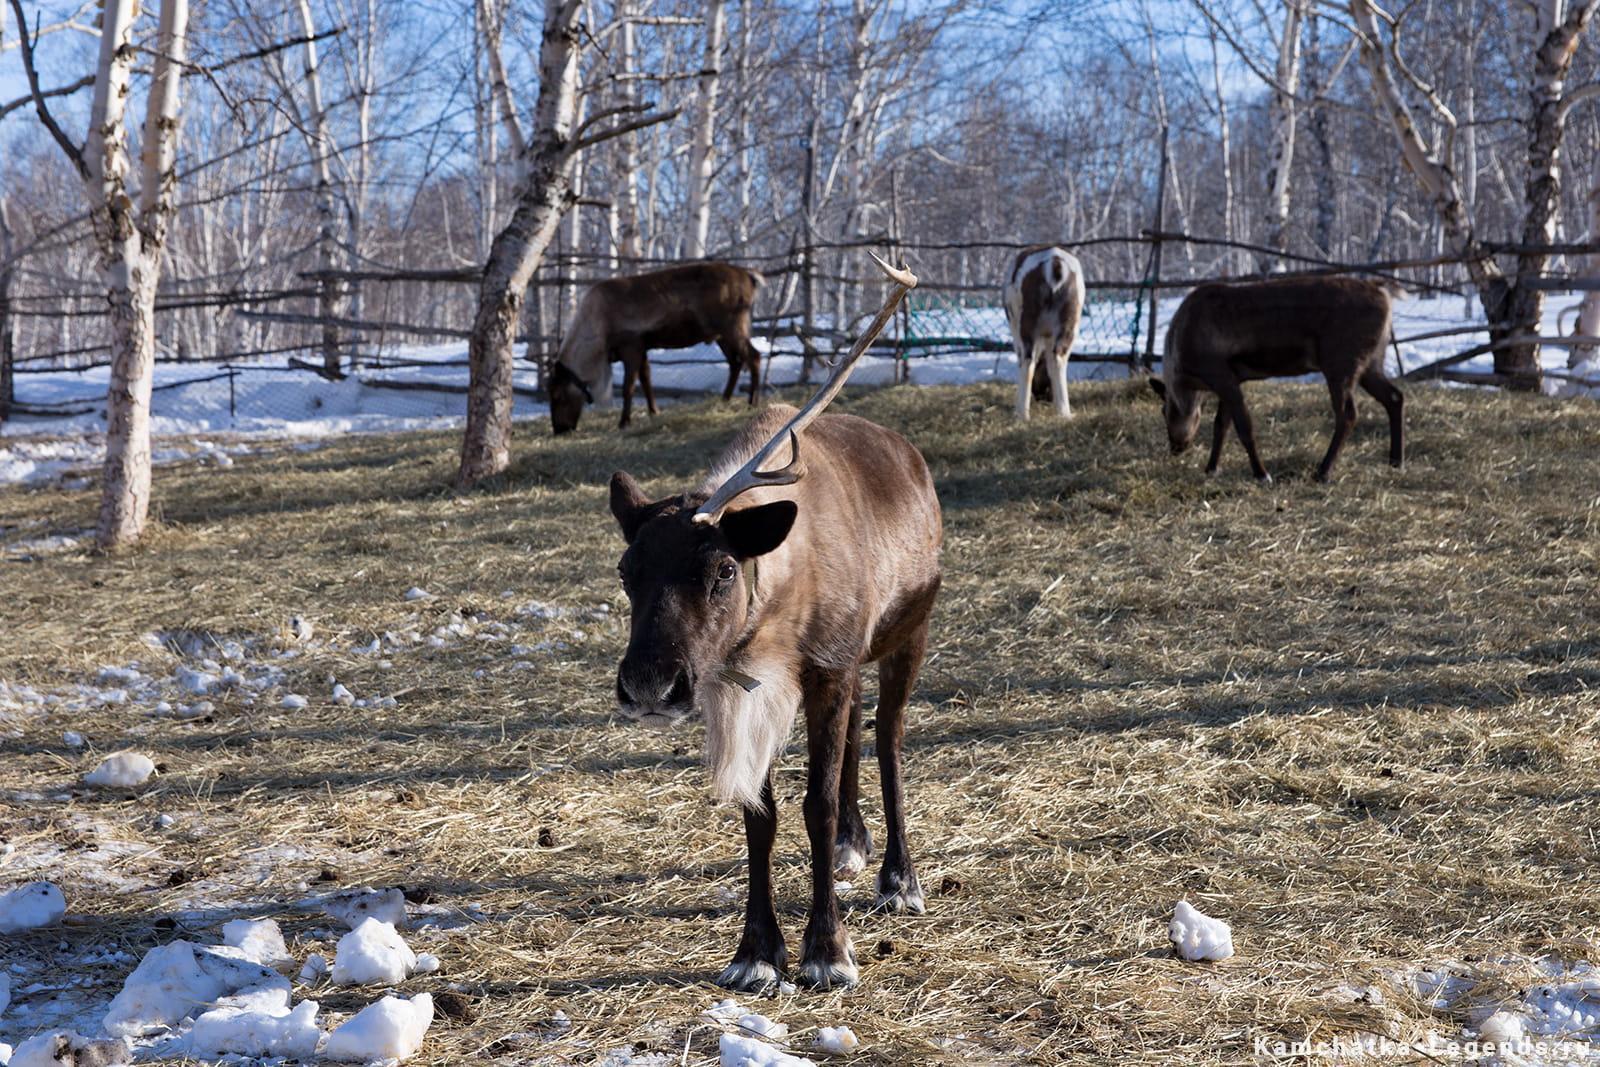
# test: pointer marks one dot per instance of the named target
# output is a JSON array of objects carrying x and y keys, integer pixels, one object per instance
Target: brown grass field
[{"x": 1358, "y": 721}]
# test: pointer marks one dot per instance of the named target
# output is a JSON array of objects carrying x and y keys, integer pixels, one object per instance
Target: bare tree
[
  {"x": 1513, "y": 305},
  {"x": 544, "y": 194},
  {"x": 702, "y": 154},
  {"x": 129, "y": 237}
]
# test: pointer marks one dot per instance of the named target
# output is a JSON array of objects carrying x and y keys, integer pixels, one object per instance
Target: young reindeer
[
  {"x": 1044, "y": 301},
  {"x": 763, "y": 592},
  {"x": 1224, "y": 335},
  {"x": 621, "y": 319}
]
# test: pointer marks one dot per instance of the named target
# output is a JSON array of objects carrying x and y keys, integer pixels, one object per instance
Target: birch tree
[
  {"x": 1285, "y": 114},
  {"x": 1513, "y": 305},
  {"x": 702, "y": 154},
  {"x": 129, "y": 237},
  {"x": 543, "y": 195},
  {"x": 320, "y": 145}
]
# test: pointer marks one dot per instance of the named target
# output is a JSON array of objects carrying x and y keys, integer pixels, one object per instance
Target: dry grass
[{"x": 1358, "y": 721}]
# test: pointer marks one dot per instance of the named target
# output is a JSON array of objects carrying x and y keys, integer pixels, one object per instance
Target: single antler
[{"x": 751, "y": 476}]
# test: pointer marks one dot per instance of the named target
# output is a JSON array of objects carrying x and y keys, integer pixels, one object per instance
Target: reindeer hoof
[
  {"x": 828, "y": 974},
  {"x": 900, "y": 894},
  {"x": 749, "y": 976},
  {"x": 1264, "y": 478}
]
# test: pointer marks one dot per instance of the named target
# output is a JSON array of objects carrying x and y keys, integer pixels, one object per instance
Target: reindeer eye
[{"x": 726, "y": 571}]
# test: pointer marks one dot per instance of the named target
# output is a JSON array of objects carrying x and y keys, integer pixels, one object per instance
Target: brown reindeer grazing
[
  {"x": 751, "y": 613},
  {"x": 1224, "y": 335},
  {"x": 621, "y": 319},
  {"x": 1044, "y": 300}
]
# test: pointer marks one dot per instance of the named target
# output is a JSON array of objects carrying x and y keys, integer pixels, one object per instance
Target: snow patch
[
  {"x": 1199, "y": 937},
  {"x": 838, "y": 1040},
  {"x": 372, "y": 952},
  {"x": 353, "y": 906},
  {"x": 122, "y": 770},
  {"x": 260, "y": 940},
  {"x": 173, "y": 980},
  {"x": 31, "y": 906},
  {"x": 67, "y": 1048},
  {"x": 391, "y": 1029},
  {"x": 738, "y": 1051},
  {"x": 256, "y": 1030}
]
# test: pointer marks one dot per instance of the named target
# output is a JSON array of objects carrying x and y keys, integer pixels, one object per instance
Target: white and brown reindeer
[
  {"x": 1044, "y": 300},
  {"x": 761, "y": 594},
  {"x": 622, "y": 319}
]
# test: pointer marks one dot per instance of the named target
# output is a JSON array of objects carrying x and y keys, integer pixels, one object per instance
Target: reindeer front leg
[
  {"x": 762, "y": 955},
  {"x": 827, "y": 959}
]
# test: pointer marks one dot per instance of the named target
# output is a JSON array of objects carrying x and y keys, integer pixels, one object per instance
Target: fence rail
[{"x": 944, "y": 321}]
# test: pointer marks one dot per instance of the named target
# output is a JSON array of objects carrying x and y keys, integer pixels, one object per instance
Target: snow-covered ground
[{"x": 209, "y": 422}]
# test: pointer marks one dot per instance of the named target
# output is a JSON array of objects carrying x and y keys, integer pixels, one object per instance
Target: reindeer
[
  {"x": 1044, "y": 300},
  {"x": 750, "y": 614},
  {"x": 1223, "y": 335},
  {"x": 621, "y": 319}
]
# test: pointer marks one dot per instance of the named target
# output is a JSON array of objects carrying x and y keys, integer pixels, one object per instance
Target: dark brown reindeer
[
  {"x": 621, "y": 319},
  {"x": 761, "y": 593},
  {"x": 1224, "y": 335}
]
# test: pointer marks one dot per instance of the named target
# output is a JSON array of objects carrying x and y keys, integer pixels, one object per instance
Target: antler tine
[{"x": 751, "y": 475}]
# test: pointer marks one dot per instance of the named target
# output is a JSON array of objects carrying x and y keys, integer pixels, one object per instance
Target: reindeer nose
[{"x": 652, "y": 688}]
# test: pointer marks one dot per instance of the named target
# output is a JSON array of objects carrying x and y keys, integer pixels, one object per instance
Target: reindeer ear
[
  {"x": 756, "y": 531},
  {"x": 1158, "y": 387},
  {"x": 628, "y": 504}
]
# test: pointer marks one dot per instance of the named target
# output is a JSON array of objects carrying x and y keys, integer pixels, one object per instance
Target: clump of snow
[
  {"x": 5, "y": 991},
  {"x": 259, "y": 1030},
  {"x": 66, "y": 1048},
  {"x": 294, "y": 701},
  {"x": 739, "y": 1051},
  {"x": 1566, "y": 1008},
  {"x": 197, "y": 682},
  {"x": 837, "y": 1039},
  {"x": 341, "y": 695},
  {"x": 417, "y": 593},
  {"x": 1199, "y": 937},
  {"x": 316, "y": 966},
  {"x": 1503, "y": 1028},
  {"x": 122, "y": 770},
  {"x": 390, "y": 1029},
  {"x": 30, "y": 906},
  {"x": 354, "y": 905},
  {"x": 372, "y": 952},
  {"x": 726, "y": 1012},
  {"x": 427, "y": 963},
  {"x": 175, "y": 979},
  {"x": 5, "y": 1053},
  {"x": 301, "y": 628},
  {"x": 260, "y": 940},
  {"x": 72, "y": 739},
  {"x": 761, "y": 1026}
]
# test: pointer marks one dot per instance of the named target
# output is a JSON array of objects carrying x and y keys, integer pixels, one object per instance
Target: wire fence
[{"x": 953, "y": 327}]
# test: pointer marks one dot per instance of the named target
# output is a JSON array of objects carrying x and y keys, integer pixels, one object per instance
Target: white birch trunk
[
  {"x": 1225, "y": 149},
  {"x": 702, "y": 154},
  {"x": 319, "y": 143},
  {"x": 626, "y": 154},
  {"x": 130, "y": 242},
  {"x": 543, "y": 195},
  {"x": 1285, "y": 116}
]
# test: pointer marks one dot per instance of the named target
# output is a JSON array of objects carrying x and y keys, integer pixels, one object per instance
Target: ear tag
[{"x": 740, "y": 679}]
